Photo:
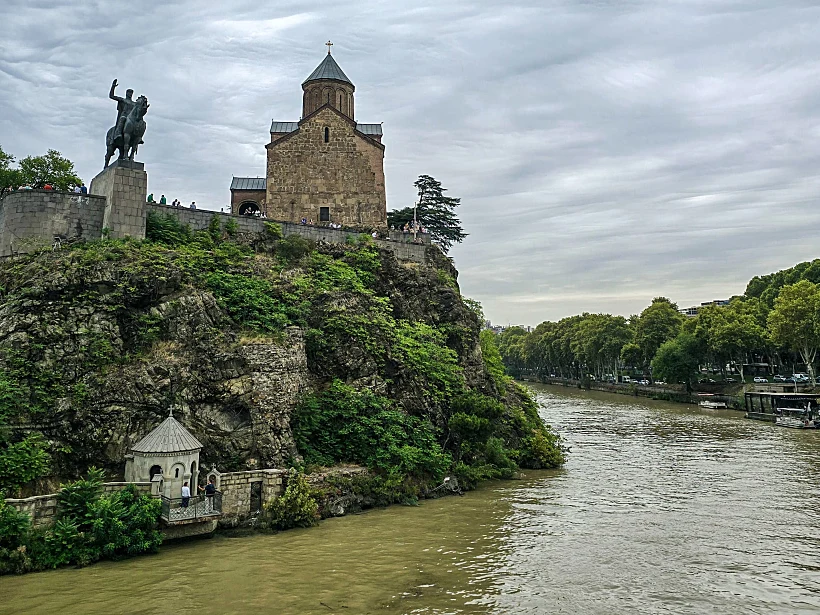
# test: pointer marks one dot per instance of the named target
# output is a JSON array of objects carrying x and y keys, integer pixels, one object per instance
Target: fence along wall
[{"x": 400, "y": 243}]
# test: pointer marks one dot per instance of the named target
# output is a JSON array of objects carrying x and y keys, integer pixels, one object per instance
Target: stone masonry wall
[
  {"x": 236, "y": 492},
  {"x": 240, "y": 196},
  {"x": 42, "y": 509},
  {"x": 31, "y": 218},
  {"x": 400, "y": 243},
  {"x": 124, "y": 185},
  {"x": 346, "y": 174}
]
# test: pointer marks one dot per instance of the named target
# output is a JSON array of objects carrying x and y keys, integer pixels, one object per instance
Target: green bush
[
  {"x": 21, "y": 462},
  {"x": 295, "y": 507},
  {"x": 273, "y": 230},
  {"x": 231, "y": 227},
  {"x": 89, "y": 526},
  {"x": 343, "y": 424},
  {"x": 294, "y": 247},
  {"x": 248, "y": 300},
  {"x": 167, "y": 229}
]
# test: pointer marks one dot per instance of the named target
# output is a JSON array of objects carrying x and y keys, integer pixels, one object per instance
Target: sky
[{"x": 606, "y": 151}]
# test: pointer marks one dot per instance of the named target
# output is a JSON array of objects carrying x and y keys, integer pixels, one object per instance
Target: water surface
[{"x": 662, "y": 508}]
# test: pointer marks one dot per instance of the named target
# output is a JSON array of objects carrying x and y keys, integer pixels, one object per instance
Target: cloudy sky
[{"x": 606, "y": 151}]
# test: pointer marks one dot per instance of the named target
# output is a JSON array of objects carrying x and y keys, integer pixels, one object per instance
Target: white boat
[
  {"x": 712, "y": 404},
  {"x": 796, "y": 418}
]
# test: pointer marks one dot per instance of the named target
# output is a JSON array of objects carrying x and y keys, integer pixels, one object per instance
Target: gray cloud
[{"x": 605, "y": 152}]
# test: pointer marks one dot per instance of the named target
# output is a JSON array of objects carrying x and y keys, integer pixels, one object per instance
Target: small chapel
[{"x": 325, "y": 168}]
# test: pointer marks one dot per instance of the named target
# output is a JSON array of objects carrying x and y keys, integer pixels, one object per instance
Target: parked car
[
  {"x": 730, "y": 380},
  {"x": 761, "y": 380},
  {"x": 660, "y": 383},
  {"x": 626, "y": 379},
  {"x": 644, "y": 382},
  {"x": 779, "y": 378}
]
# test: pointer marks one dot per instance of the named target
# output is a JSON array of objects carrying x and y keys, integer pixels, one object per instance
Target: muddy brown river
[{"x": 661, "y": 508}]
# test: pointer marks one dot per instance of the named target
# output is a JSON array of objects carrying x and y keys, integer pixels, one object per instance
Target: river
[{"x": 662, "y": 508}]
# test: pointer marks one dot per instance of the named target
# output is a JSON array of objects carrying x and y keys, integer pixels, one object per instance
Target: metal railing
[{"x": 191, "y": 509}]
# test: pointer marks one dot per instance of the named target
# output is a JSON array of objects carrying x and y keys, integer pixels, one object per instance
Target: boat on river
[
  {"x": 710, "y": 403},
  {"x": 797, "y": 418}
]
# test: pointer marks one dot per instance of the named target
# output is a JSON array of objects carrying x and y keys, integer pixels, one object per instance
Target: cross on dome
[{"x": 329, "y": 45}]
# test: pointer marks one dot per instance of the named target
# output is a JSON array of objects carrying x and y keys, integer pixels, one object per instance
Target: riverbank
[
  {"x": 732, "y": 395},
  {"x": 661, "y": 508}
]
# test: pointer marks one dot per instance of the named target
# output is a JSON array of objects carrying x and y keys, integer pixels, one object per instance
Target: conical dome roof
[
  {"x": 169, "y": 437},
  {"x": 328, "y": 69}
]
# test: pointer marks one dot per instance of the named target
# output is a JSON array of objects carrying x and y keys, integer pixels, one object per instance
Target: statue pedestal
[{"x": 124, "y": 184}]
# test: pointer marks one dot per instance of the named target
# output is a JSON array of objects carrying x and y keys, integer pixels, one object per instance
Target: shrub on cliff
[{"x": 296, "y": 507}]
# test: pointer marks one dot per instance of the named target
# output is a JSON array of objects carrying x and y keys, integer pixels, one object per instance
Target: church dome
[
  {"x": 168, "y": 437},
  {"x": 328, "y": 69}
]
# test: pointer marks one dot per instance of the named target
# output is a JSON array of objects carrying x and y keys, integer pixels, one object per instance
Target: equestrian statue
[{"x": 126, "y": 134}]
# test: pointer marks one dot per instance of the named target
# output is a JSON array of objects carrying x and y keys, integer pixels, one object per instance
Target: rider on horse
[{"x": 124, "y": 107}]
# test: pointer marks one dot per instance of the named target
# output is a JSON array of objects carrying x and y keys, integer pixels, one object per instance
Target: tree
[
  {"x": 434, "y": 211},
  {"x": 9, "y": 178},
  {"x": 734, "y": 333},
  {"x": 795, "y": 320},
  {"x": 677, "y": 360},
  {"x": 51, "y": 168},
  {"x": 658, "y": 323}
]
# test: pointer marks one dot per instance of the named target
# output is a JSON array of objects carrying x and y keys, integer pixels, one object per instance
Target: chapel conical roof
[
  {"x": 328, "y": 69},
  {"x": 168, "y": 437}
]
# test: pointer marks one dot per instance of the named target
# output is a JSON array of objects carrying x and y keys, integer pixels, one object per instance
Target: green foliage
[
  {"x": 232, "y": 228},
  {"x": 421, "y": 348},
  {"x": 795, "y": 320},
  {"x": 434, "y": 211},
  {"x": 10, "y": 178},
  {"x": 50, "y": 168},
  {"x": 343, "y": 424},
  {"x": 273, "y": 230},
  {"x": 295, "y": 507},
  {"x": 294, "y": 247},
  {"x": 167, "y": 229},
  {"x": 677, "y": 359},
  {"x": 215, "y": 229},
  {"x": 248, "y": 300},
  {"x": 492, "y": 359},
  {"x": 21, "y": 462},
  {"x": 89, "y": 526}
]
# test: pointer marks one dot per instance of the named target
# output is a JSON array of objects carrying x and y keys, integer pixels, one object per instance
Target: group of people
[
  {"x": 164, "y": 201},
  {"x": 209, "y": 490},
  {"x": 411, "y": 227},
  {"x": 81, "y": 189}
]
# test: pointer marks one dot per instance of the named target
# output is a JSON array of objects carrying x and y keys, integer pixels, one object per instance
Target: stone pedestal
[{"x": 124, "y": 184}]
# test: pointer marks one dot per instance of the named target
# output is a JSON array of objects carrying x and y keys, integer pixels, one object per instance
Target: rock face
[{"x": 102, "y": 342}]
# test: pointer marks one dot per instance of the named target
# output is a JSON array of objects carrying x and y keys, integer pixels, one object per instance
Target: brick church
[{"x": 326, "y": 167}]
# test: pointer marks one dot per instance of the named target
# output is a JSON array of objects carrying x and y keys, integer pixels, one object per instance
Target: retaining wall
[
  {"x": 42, "y": 509},
  {"x": 236, "y": 492},
  {"x": 401, "y": 244},
  {"x": 29, "y": 219}
]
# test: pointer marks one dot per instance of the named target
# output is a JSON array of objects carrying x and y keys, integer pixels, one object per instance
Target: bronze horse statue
[{"x": 128, "y": 141}]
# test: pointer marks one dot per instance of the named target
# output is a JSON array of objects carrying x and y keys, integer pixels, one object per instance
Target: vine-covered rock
[{"x": 239, "y": 335}]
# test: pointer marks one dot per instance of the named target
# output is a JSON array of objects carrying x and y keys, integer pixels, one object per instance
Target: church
[{"x": 327, "y": 167}]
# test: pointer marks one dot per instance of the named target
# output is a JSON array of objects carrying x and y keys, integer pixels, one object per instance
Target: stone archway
[{"x": 248, "y": 208}]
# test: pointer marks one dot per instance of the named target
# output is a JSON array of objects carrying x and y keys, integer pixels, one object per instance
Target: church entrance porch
[{"x": 199, "y": 508}]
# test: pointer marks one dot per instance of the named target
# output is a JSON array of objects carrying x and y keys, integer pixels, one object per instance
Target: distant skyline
[{"x": 605, "y": 152}]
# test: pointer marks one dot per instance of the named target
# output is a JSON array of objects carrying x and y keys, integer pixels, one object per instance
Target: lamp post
[{"x": 415, "y": 222}]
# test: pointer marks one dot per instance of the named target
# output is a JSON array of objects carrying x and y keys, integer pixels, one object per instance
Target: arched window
[
  {"x": 327, "y": 134},
  {"x": 193, "y": 468},
  {"x": 249, "y": 208},
  {"x": 340, "y": 102},
  {"x": 176, "y": 472},
  {"x": 154, "y": 471}
]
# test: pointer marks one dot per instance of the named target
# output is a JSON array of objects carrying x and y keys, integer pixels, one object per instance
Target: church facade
[{"x": 327, "y": 167}]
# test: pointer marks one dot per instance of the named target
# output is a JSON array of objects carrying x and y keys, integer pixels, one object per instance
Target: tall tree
[
  {"x": 51, "y": 168},
  {"x": 435, "y": 211},
  {"x": 657, "y": 324},
  {"x": 677, "y": 360},
  {"x": 9, "y": 177},
  {"x": 795, "y": 320},
  {"x": 734, "y": 333}
]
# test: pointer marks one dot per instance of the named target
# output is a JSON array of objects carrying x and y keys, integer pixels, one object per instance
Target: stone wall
[
  {"x": 240, "y": 196},
  {"x": 42, "y": 509},
  {"x": 345, "y": 174},
  {"x": 236, "y": 492},
  {"x": 124, "y": 185},
  {"x": 29, "y": 219},
  {"x": 402, "y": 244}
]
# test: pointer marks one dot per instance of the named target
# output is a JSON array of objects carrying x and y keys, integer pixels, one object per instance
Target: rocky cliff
[{"x": 99, "y": 341}]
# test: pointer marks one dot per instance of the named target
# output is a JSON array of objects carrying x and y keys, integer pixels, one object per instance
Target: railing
[{"x": 195, "y": 508}]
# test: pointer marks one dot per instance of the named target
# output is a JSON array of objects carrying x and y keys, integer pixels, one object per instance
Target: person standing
[
  {"x": 210, "y": 490},
  {"x": 193, "y": 204},
  {"x": 186, "y": 495},
  {"x": 83, "y": 189}
]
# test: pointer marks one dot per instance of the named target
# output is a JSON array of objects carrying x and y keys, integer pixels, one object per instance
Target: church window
[
  {"x": 340, "y": 102},
  {"x": 176, "y": 472},
  {"x": 324, "y": 214},
  {"x": 327, "y": 134}
]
